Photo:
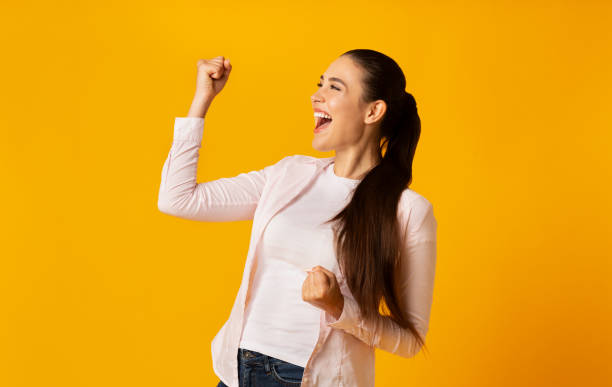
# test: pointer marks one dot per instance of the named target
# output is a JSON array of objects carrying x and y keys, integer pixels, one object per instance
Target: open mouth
[{"x": 322, "y": 123}]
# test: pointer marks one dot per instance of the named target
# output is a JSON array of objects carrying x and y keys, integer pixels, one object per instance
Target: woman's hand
[
  {"x": 321, "y": 289},
  {"x": 212, "y": 77}
]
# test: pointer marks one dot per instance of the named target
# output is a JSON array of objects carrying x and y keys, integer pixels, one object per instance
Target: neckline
[{"x": 333, "y": 174}]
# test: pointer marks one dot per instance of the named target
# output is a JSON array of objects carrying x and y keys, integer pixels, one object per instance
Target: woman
[{"x": 368, "y": 240}]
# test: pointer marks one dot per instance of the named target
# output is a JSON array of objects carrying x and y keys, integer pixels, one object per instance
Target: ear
[{"x": 375, "y": 111}]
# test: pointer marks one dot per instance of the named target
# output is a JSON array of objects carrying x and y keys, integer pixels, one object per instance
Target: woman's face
[{"x": 338, "y": 94}]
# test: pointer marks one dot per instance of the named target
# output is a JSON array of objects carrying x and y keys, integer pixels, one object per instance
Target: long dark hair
[{"x": 367, "y": 231}]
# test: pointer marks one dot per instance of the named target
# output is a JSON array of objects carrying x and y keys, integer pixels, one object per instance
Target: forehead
[{"x": 345, "y": 69}]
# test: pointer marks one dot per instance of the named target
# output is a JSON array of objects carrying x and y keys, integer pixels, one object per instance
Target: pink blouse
[
  {"x": 344, "y": 351},
  {"x": 278, "y": 322}
]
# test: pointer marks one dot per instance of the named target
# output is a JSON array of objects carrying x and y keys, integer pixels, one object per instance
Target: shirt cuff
[
  {"x": 349, "y": 318},
  {"x": 188, "y": 129}
]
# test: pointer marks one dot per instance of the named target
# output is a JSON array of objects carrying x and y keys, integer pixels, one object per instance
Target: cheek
[
  {"x": 340, "y": 106},
  {"x": 348, "y": 122}
]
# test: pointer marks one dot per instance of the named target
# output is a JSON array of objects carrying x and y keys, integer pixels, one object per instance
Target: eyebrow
[{"x": 337, "y": 80}]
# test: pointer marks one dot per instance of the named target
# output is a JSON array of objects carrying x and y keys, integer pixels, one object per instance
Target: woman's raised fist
[{"x": 212, "y": 76}]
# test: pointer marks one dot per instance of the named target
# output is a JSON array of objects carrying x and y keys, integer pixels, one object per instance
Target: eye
[{"x": 332, "y": 86}]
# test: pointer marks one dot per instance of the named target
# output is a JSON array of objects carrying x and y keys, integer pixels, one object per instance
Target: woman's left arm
[{"x": 417, "y": 283}]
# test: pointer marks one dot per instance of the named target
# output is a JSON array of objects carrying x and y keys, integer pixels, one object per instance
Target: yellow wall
[{"x": 99, "y": 288}]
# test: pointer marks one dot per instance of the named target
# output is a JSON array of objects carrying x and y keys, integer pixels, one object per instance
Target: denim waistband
[{"x": 248, "y": 354}]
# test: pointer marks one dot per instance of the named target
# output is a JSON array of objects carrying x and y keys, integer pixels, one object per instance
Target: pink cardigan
[{"x": 344, "y": 353}]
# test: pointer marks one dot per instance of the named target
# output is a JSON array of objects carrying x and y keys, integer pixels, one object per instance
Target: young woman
[{"x": 342, "y": 253}]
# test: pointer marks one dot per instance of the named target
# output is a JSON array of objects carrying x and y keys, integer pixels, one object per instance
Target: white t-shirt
[{"x": 278, "y": 322}]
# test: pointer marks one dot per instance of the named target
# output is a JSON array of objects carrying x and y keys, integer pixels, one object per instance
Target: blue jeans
[{"x": 258, "y": 370}]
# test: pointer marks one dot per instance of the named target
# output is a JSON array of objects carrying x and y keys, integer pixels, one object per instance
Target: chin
[{"x": 321, "y": 146}]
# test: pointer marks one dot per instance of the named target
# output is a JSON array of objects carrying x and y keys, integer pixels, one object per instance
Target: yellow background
[{"x": 99, "y": 288}]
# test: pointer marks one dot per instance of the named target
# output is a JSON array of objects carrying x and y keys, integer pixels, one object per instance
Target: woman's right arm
[
  {"x": 221, "y": 200},
  {"x": 225, "y": 199}
]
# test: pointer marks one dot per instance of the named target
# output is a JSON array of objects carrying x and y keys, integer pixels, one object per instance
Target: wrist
[
  {"x": 338, "y": 308},
  {"x": 202, "y": 96},
  {"x": 199, "y": 105}
]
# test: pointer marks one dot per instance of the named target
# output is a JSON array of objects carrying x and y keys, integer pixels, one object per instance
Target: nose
[{"x": 316, "y": 97}]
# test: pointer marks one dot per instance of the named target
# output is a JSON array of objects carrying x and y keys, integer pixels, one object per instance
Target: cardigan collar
[{"x": 323, "y": 162}]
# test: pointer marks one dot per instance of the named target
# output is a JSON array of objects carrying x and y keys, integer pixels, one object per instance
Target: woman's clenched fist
[
  {"x": 212, "y": 76},
  {"x": 321, "y": 289}
]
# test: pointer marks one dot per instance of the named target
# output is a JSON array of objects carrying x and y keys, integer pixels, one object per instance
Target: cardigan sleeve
[
  {"x": 417, "y": 283},
  {"x": 225, "y": 199}
]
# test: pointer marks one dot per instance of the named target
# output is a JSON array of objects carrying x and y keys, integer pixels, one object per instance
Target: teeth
[{"x": 319, "y": 114}]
